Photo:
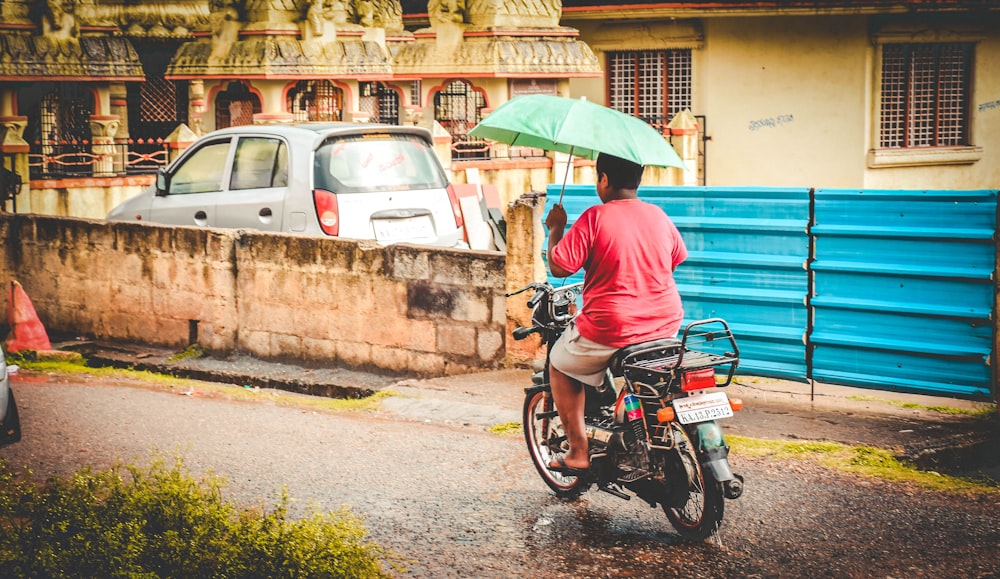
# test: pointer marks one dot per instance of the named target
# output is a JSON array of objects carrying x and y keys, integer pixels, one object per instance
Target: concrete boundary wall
[{"x": 401, "y": 308}]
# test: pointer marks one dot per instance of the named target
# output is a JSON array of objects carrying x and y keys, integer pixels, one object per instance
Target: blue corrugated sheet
[
  {"x": 748, "y": 250},
  {"x": 903, "y": 290},
  {"x": 892, "y": 290}
]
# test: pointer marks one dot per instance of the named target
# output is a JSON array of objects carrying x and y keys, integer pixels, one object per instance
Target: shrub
[{"x": 160, "y": 522}]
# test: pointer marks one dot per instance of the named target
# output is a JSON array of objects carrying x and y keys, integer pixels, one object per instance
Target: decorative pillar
[
  {"x": 103, "y": 129},
  {"x": 119, "y": 108},
  {"x": 196, "y": 106},
  {"x": 14, "y": 152}
]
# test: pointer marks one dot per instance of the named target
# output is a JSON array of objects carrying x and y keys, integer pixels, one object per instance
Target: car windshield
[{"x": 377, "y": 162}]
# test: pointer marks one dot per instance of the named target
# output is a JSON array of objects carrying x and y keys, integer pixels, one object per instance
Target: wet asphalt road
[{"x": 458, "y": 501}]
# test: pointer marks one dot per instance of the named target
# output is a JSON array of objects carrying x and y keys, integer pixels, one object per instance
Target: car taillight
[
  {"x": 698, "y": 379},
  {"x": 456, "y": 209},
  {"x": 327, "y": 212}
]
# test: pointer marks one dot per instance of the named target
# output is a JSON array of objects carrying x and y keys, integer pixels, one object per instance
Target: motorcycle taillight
[{"x": 698, "y": 379}]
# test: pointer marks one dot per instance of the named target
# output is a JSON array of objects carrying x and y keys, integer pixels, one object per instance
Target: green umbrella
[{"x": 577, "y": 127}]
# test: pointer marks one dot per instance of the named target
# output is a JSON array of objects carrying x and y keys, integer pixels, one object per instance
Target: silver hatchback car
[{"x": 351, "y": 180}]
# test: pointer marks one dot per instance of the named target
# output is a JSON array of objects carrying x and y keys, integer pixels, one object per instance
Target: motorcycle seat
[{"x": 644, "y": 351}]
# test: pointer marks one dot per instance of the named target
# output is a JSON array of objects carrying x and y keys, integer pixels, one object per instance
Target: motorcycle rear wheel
[
  {"x": 701, "y": 515},
  {"x": 544, "y": 435}
]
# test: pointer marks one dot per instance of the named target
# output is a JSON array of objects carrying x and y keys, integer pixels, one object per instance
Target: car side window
[
  {"x": 260, "y": 163},
  {"x": 202, "y": 171}
]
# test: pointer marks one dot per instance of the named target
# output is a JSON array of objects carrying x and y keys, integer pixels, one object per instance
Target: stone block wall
[{"x": 401, "y": 308}]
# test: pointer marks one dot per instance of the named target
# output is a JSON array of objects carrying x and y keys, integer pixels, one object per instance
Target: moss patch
[
  {"x": 507, "y": 428},
  {"x": 862, "y": 460}
]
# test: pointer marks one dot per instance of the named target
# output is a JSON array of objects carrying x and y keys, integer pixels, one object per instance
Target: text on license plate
[
  {"x": 418, "y": 227},
  {"x": 709, "y": 406}
]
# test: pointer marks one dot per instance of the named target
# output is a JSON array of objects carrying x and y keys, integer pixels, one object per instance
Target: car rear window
[{"x": 377, "y": 162}]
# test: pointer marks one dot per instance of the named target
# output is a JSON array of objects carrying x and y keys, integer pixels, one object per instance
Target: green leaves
[{"x": 160, "y": 522}]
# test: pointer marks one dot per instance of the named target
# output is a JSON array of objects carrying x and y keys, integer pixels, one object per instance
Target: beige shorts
[{"x": 580, "y": 358}]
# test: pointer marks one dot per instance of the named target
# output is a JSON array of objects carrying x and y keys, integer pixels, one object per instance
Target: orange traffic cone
[{"x": 26, "y": 330}]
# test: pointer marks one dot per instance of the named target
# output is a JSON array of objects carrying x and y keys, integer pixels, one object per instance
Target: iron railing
[{"x": 86, "y": 159}]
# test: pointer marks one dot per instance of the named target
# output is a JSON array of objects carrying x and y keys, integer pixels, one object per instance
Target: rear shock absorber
[{"x": 633, "y": 416}]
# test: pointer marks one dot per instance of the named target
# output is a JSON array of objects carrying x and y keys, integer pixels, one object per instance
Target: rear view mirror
[{"x": 162, "y": 182}]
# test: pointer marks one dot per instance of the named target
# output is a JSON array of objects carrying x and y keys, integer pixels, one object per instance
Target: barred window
[
  {"x": 415, "y": 93},
  {"x": 316, "y": 100},
  {"x": 380, "y": 101},
  {"x": 925, "y": 95},
  {"x": 157, "y": 99},
  {"x": 459, "y": 107},
  {"x": 653, "y": 85},
  {"x": 236, "y": 106}
]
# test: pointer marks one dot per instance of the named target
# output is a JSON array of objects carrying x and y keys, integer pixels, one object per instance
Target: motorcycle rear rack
[{"x": 697, "y": 349}]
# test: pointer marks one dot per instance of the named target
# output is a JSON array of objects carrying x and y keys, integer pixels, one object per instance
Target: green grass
[
  {"x": 161, "y": 522},
  {"x": 983, "y": 411},
  {"x": 191, "y": 352},
  {"x": 861, "y": 460}
]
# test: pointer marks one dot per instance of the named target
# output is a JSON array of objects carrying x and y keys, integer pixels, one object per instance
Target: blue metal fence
[
  {"x": 903, "y": 290},
  {"x": 881, "y": 289}
]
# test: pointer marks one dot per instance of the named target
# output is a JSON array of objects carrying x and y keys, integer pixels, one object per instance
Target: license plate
[
  {"x": 418, "y": 227},
  {"x": 709, "y": 406}
]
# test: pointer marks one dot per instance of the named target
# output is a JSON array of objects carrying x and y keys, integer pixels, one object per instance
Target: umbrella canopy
[{"x": 577, "y": 127}]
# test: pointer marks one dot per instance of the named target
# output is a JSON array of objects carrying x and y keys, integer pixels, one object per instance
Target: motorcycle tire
[
  {"x": 701, "y": 514},
  {"x": 545, "y": 438}
]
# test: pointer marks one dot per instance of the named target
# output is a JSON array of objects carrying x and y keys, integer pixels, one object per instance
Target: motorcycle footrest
[{"x": 633, "y": 476}]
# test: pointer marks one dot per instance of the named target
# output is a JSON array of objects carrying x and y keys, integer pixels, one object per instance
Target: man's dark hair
[{"x": 622, "y": 174}]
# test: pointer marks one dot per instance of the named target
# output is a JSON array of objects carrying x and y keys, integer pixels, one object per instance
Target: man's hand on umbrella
[{"x": 556, "y": 219}]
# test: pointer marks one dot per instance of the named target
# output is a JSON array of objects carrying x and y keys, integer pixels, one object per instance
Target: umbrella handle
[{"x": 569, "y": 165}]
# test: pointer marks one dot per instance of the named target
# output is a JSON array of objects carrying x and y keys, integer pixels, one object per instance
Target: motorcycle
[{"x": 651, "y": 425}]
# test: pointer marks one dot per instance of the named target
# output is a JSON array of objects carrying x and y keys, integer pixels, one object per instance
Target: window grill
[
  {"x": 58, "y": 131},
  {"x": 316, "y": 100},
  {"x": 157, "y": 105},
  {"x": 379, "y": 101},
  {"x": 236, "y": 106},
  {"x": 925, "y": 95},
  {"x": 653, "y": 85},
  {"x": 459, "y": 108},
  {"x": 415, "y": 89},
  {"x": 157, "y": 100}
]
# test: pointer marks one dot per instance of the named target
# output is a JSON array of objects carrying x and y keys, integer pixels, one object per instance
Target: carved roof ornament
[
  {"x": 300, "y": 38},
  {"x": 53, "y": 58},
  {"x": 42, "y": 40},
  {"x": 495, "y": 38}
]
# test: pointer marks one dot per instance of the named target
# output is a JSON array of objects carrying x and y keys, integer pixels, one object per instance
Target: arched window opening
[
  {"x": 316, "y": 100},
  {"x": 459, "y": 107},
  {"x": 58, "y": 131},
  {"x": 236, "y": 106},
  {"x": 379, "y": 101}
]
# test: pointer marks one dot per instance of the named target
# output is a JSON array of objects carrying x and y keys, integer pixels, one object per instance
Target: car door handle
[{"x": 265, "y": 212}]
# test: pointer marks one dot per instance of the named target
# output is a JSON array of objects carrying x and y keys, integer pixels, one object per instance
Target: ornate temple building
[{"x": 105, "y": 88}]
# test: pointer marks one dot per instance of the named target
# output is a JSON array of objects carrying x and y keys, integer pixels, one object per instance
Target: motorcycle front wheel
[
  {"x": 545, "y": 437},
  {"x": 701, "y": 513}
]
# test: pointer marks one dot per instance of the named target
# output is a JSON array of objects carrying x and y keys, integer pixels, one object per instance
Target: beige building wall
[
  {"x": 785, "y": 101},
  {"x": 793, "y": 100}
]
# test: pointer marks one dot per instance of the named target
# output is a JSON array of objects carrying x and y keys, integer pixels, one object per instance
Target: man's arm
[{"x": 556, "y": 223}]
